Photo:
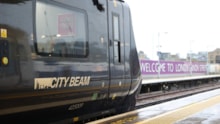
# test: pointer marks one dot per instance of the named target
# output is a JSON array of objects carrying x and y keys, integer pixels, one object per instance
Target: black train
[{"x": 66, "y": 59}]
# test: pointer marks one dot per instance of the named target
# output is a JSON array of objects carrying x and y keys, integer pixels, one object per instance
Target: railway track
[{"x": 147, "y": 99}]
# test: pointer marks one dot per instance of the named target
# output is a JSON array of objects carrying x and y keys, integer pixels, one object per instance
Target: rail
[{"x": 147, "y": 99}]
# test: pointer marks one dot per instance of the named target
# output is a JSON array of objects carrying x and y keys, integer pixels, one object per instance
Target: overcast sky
[{"x": 178, "y": 26}]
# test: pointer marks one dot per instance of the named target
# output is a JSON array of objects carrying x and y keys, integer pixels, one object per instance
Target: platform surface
[
  {"x": 203, "y": 108},
  {"x": 174, "y": 79}
]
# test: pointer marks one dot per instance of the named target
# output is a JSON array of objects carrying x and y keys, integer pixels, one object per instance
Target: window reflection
[{"x": 60, "y": 31}]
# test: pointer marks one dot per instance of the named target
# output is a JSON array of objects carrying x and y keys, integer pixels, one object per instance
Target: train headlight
[{"x": 5, "y": 60}]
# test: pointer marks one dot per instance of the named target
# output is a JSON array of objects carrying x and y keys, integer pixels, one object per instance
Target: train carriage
[{"x": 69, "y": 59}]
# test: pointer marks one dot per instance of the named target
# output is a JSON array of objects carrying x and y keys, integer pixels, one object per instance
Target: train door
[{"x": 116, "y": 50}]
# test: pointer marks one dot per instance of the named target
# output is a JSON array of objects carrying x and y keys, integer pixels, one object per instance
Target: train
[{"x": 68, "y": 60}]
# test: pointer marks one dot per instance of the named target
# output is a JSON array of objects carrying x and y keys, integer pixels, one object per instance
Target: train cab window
[
  {"x": 61, "y": 31},
  {"x": 116, "y": 37},
  {"x": 116, "y": 27}
]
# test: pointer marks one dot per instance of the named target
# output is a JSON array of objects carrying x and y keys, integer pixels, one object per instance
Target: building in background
[
  {"x": 214, "y": 56},
  {"x": 170, "y": 57},
  {"x": 142, "y": 55},
  {"x": 197, "y": 57}
]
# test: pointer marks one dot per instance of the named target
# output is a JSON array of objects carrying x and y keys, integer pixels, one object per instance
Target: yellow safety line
[{"x": 179, "y": 114}]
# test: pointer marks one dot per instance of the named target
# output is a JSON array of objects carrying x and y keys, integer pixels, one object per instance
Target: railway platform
[{"x": 202, "y": 108}]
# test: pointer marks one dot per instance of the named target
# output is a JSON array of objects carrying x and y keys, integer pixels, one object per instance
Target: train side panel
[{"x": 59, "y": 72}]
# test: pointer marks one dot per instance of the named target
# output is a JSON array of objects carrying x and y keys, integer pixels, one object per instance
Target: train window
[
  {"x": 116, "y": 35},
  {"x": 116, "y": 27},
  {"x": 61, "y": 31}
]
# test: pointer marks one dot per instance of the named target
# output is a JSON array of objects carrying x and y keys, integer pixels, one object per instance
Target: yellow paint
[
  {"x": 179, "y": 114},
  {"x": 125, "y": 120},
  {"x": 3, "y": 33},
  {"x": 114, "y": 96},
  {"x": 75, "y": 119},
  {"x": 4, "y": 60}
]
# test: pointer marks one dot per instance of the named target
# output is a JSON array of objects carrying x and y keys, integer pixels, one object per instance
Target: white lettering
[
  {"x": 54, "y": 82},
  {"x": 162, "y": 67},
  {"x": 182, "y": 68},
  {"x": 61, "y": 79},
  {"x": 143, "y": 67},
  {"x": 76, "y": 106},
  {"x": 157, "y": 67},
  {"x": 77, "y": 81},
  {"x": 153, "y": 67},
  {"x": 170, "y": 67},
  {"x": 66, "y": 80},
  {"x": 86, "y": 80},
  {"x": 61, "y": 82},
  {"x": 72, "y": 82}
]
